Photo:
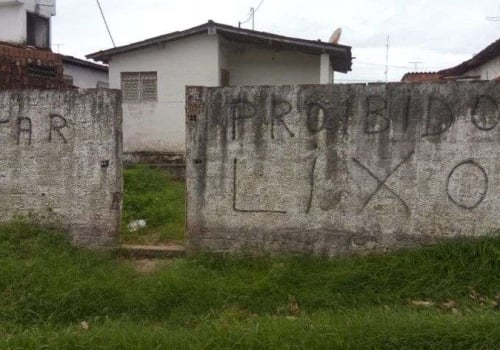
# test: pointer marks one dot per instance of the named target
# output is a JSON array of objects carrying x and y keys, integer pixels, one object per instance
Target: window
[
  {"x": 139, "y": 86},
  {"x": 38, "y": 31}
]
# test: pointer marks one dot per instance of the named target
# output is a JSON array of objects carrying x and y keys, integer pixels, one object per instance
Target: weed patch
[
  {"x": 56, "y": 296},
  {"x": 157, "y": 198}
]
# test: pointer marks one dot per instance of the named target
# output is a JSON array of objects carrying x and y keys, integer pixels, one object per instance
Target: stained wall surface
[
  {"x": 60, "y": 161},
  {"x": 337, "y": 169}
]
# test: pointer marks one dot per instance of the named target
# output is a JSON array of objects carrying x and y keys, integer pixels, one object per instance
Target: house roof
[
  {"x": 341, "y": 54},
  {"x": 84, "y": 63},
  {"x": 418, "y": 77},
  {"x": 490, "y": 52}
]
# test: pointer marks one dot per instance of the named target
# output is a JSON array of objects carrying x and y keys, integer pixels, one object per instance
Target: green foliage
[
  {"x": 155, "y": 197},
  {"x": 47, "y": 288}
]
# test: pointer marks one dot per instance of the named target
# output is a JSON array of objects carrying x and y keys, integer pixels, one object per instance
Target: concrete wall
[
  {"x": 60, "y": 161},
  {"x": 488, "y": 71},
  {"x": 249, "y": 65},
  {"x": 337, "y": 169},
  {"x": 85, "y": 78},
  {"x": 159, "y": 126}
]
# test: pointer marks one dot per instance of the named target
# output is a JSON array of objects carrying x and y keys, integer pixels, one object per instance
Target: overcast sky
[{"x": 438, "y": 33}]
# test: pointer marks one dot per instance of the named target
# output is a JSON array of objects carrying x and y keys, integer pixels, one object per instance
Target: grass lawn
[
  {"x": 442, "y": 297},
  {"x": 153, "y": 196}
]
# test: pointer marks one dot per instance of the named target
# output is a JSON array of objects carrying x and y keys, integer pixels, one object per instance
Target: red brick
[{"x": 15, "y": 61}]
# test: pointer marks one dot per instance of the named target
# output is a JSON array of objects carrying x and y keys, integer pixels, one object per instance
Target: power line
[
  {"x": 390, "y": 66},
  {"x": 493, "y": 18},
  {"x": 106, "y": 23},
  {"x": 251, "y": 15}
]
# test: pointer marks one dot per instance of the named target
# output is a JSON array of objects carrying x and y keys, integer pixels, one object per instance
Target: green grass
[
  {"x": 47, "y": 288},
  {"x": 157, "y": 198}
]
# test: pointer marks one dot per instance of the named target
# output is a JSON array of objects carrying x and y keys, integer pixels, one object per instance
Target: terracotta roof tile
[{"x": 419, "y": 77}]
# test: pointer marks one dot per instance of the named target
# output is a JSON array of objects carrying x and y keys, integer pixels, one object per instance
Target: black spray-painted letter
[
  {"x": 24, "y": 127},
  {"x": 57, "y": 123}
]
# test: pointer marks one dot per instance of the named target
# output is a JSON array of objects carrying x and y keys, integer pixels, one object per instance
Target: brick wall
[{"x": 23, "y": 67}]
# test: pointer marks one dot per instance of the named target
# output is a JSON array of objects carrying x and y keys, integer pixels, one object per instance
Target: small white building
[
  {"x": 484, "y": 65},
  {"x": 153, "y": 75},
  {"x": 27, "y": 22},
  {"x": 85, "y": 74}
]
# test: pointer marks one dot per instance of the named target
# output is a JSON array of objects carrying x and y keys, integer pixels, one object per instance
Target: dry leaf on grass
[
  {"x": 422, "y": 303},
  {"x": 450, "y": 304}
]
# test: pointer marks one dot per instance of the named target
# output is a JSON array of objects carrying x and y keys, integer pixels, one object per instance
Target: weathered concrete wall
[
  {"x": 60, "y": 161},
  {"x": 341, "y": 168}
]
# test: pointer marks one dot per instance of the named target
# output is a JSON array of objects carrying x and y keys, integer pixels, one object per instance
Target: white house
[
  {"x": 153, "y": 75},
  {"x": 484, "y": 65},
  {"x": 85, "y": 74},
  {"x": 27, "y": 22}
]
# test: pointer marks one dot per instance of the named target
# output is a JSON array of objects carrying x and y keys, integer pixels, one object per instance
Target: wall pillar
[{"x": 326, "y": 70}]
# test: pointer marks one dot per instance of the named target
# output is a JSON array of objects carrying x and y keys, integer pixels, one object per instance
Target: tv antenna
[
  {"x": 415, "y": 63},
  {"x": 58, "y": 47}
]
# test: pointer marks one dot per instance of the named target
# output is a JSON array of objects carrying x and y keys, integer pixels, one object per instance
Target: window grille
[
  {"x": 139, "y": 86},
  {"x": 43, "y": 72}
]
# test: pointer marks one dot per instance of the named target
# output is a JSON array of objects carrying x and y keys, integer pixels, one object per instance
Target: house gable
[{"x": 341, "y": 56}]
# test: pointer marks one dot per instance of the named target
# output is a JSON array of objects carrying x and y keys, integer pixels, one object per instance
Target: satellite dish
[{"x": 334, "y": 39}]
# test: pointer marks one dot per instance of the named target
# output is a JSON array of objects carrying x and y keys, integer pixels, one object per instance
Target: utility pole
[
  {"x": 387, "y": 60},
  {"x": 416, "y": 63},
  {"x": 252, "y": 13},
  {"x": 251, "y": 16}
]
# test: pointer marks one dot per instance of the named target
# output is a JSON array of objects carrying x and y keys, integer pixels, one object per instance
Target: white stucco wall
[
  {"x": 488, "y": 71},
  {"x": 12, "y": 23},
  {"x": 85, "y": 78},
  {"x": 257, "y": 66},
  {"x": 13, "y": 26},
  {"x": 160, "y": 126}
]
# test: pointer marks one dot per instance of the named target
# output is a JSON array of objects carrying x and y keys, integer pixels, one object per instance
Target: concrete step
[
  {"x": 152, "y": 252},
  {"x": 130, "y": 158},
  {"x": 166, "y": 165}
]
